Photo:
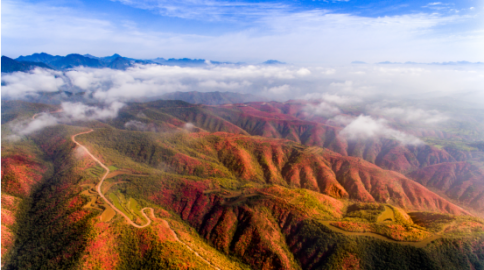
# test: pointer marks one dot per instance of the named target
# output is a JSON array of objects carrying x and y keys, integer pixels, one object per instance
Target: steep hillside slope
[
  {"x": 268, "y": 161},
  {"x": 282, "y": 120},
  {"x": 461, "y": 181},
  {"x": 23, "y": 170},
  {"x": 291, "y": 121}
]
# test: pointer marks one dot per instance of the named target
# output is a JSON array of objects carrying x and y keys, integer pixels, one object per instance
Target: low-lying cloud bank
[
  {"x": 344, "y": 85},
  {"x": 408, "y": 94},
  {"x": 81, "y": 112},
  {"x": 69, "y": 113},
  {"x": 365, "y": 127},
  {"x": 411, "y": 114},
  {"x": 19, "y": 84},
  {"x": 30, "y": 126}
]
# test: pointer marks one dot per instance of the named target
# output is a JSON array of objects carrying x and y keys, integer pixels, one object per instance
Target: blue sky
[{"x": 309, "y": 32}]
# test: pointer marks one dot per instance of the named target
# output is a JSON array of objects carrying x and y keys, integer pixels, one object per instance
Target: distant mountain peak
[
  {"x": 273, "y": 62},
  {"x": 110, "y": 58},
  {"x": 115, "y": 55},
  {"x": 42, "y": 53},
  {"x": 90, "y": 56}
]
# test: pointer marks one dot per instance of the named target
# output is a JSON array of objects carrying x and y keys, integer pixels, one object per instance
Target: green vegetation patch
[
  {"x": 95, "y": 171},
  {"x": 134, "y": 207},
  {"x": 119, "y": 202},
  {"x": 449, "y": 143},
  {"x": 433, "y": 221},
  {"x": 366, "y": 211},
  {"x": 113, "y": 168}
]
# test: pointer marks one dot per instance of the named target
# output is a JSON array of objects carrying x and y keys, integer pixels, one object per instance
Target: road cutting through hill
[
  {"x": 98, "y": 188},
  {"x": 73, "y": 138}
]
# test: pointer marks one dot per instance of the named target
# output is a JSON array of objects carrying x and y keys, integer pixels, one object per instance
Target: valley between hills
[{"x": 259, "y": 185}]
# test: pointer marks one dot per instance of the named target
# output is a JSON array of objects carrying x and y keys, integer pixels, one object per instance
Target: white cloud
[
  {"x": 224, "y": 85},
  {"x": 30, "y": 126},
  {"x": 339, "y": 100},
  {"x": 138, "y": 125},
  {"x": 323, "y": 109},
  {"x": 341, "y": 120},
  {"x": 212, "y": 10},
  {"x": 18, "y": 84},
  {"x": 344, "y": 87},
  {"x": 329, "y": 71},
  {"x": 189, "y": 126},
  {"x": 436, "y": 5},
  {"x": 85, "y": 80},
  {"x": 303, "y": 72},
  {"x": 279, "y": 89},
  {"x": 81, "y": 112},
  {"x": 148, "y": 81},
  {"x": 365, "y": 127},
  {"x": 69, "y": 112},
  {"x": 412, "y": 115}
]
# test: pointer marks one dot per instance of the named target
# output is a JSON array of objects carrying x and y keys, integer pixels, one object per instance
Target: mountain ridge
[
  {"x": 9, "y": 65},
  {"x": 116, "y": 61}
]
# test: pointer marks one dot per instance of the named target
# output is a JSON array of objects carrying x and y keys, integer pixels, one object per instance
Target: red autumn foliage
[
  {"x": 100, "y": 252},
  {"x": 20, "y": 173},
  {"x": 75, "y": 202},
  {"x": 459, "y": 180},
  {"x": 350, "y": 262}
]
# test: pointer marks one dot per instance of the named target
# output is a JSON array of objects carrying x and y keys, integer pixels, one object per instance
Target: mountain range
[
  {"x": 116, "y": 61},
  {"x": 9, "y": 65}
]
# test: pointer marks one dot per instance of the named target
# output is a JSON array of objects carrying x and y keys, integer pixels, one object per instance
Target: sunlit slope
[
  {"x": 267, "y": 161},
  {"x": 291, "y": 121},
  {"x": 459, "y": 180}
]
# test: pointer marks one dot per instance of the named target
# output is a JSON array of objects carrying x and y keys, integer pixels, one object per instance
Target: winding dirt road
[
  {"x": 98, "y": 188},
  {"x": 73, "y": 138}
]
